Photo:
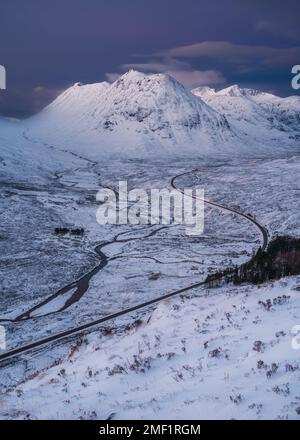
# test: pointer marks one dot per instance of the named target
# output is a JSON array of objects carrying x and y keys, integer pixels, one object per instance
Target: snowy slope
[
  {"x": 219, "y": 355},
  {"x": 284, "y": 112},
  {"x": 137, "y": 115},
  {"x": 23, "y": 160},
  {"x": 260, "y": 115},
  {"x": 78, "y": 103}
]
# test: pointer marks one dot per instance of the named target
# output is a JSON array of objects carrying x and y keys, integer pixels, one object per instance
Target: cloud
[
  {"x": 279, "y": 28},
  {"x": 111, "y": 77},
  {"x": 42, "y": 96},
  {"x": 240, "y": 55},
  {"x": 183, "y": 62},
  {"x": 24, "y": 102},
  {"x": 162, "y": 64},
  {"x": 180, "y": 70},
  {"x": 193, "y": 78}
]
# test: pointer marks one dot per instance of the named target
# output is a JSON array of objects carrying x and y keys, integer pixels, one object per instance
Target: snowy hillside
[
  {"x": 256, "y": 113},
  {"x": 284, "y": 110},
  {"x": 22, "y": 159},
  {"x": 218, "y": 355},
  {"x": 137, "y": 115}
]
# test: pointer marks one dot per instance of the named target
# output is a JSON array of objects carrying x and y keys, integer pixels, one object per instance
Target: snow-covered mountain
[
  {"x": 151, "y": 116},
  {"x": 256, "y": 113},
  {"x": 143, "y": 115},
  {"x": 136, "y": 115}
]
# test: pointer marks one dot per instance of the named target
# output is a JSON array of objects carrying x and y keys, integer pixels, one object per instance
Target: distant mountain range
[
  {"x": 137, "y": 115},
  {"x": 152, "y": 116},
  {"x": 257, "y": 114}
]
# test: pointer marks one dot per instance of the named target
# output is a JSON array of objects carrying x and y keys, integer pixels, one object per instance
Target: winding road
[
  {"x": 82, "y": 284},
  {"x": 262, "y": 229}
]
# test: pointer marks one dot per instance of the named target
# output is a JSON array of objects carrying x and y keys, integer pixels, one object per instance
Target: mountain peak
[
  {"x": 204, "y": 91},
  {"x": 133, "y": 76},
  {"x": 233, "y": 90},
  {"x": 138, "y": 110},
  {"x": 237, "y": 91}
]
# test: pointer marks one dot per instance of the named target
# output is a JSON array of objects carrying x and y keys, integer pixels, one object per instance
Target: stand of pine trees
[{"x": 282, "y": 258}]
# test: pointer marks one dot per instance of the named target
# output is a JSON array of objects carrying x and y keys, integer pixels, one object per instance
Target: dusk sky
[{"x": 47, "y": 46}]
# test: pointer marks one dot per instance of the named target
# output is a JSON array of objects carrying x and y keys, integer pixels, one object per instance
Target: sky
[{"x": 46, "y": 46}]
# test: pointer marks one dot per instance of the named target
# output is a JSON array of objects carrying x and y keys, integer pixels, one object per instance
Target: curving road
[
  {"x": 263, "y": 231},
  {"x": 83, "y": 283}
]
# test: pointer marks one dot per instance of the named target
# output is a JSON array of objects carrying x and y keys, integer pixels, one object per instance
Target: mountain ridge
[
  {"x": 252, "y": 106},
  {"x": 137, "y": 114},
  {"x": 153, "y": 116}
]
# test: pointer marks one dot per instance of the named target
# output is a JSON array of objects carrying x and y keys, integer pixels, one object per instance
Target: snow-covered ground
[
  {"x": 143, "y": 262},
  {"x": 25, "y": 161},
  {"x": 51, "y": 168},
  {"x": 215, "y": 354},
  {"x": 145, "y": 268}
]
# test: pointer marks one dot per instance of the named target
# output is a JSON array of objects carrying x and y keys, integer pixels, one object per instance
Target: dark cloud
[
  {"x": 26, "y": 102},
  {"x": 288, "y": 31},
  {"x": 54, "y": 44},
  {"x": 240, "y": 55}
]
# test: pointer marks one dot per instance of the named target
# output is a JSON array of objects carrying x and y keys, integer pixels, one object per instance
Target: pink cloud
[{"x": 180, "y": 70}]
